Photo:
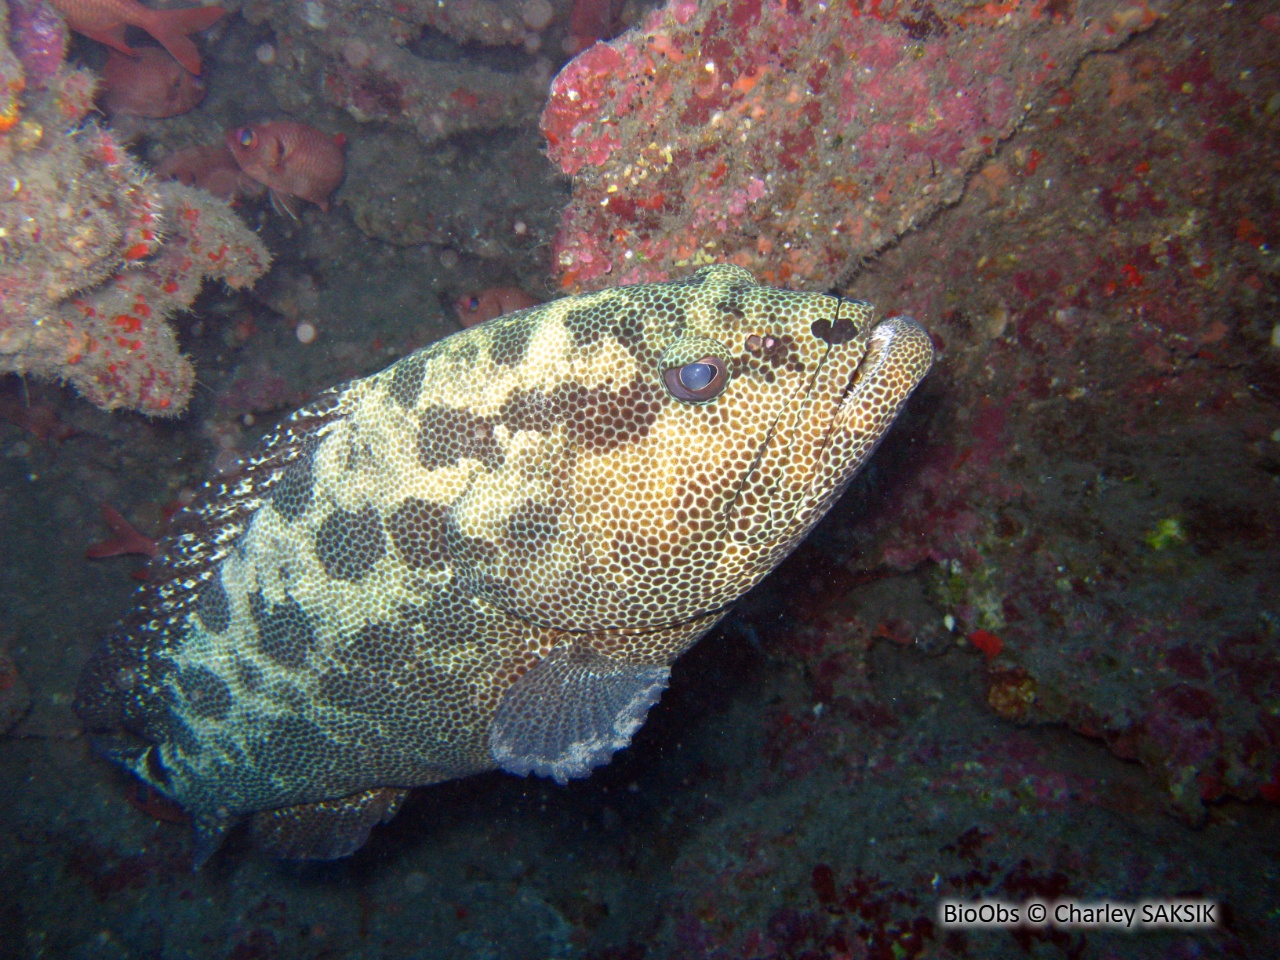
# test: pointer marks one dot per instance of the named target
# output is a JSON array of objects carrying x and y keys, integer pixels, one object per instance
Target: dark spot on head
[
  {"x": 379, "y": 670},
  {"x": 417, "y": 530},
  {"x": 448, "y": 435},
  {"x": 349, "y": 544},
  {"x": 406, "y": 380},
  {"x": 530, "y": 528},
  {"x": 598, "y": 419},
  {"x": 842, "y": 332},
  {"x": 511, "y": 341},
  {"x": 350, "y": 690},
  {"x": 285, "y": 634},
  {"x": 449, "y": 618},
  {"x": 530, "y": 410},
  {"x": 212, "y": 606},
  {"x": 782, "y": 352},
  {"x": 292, "y": 495},
  {"x": 206, "y": 693},
  {"x": 359, "y": 451}
]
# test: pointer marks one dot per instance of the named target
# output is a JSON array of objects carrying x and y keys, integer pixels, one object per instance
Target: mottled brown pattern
[
  {"x": 212, "y": 606},
  {"x": 447, "y": 435},
  {"x": 510, "y": 341},
  {"x": 406, "y": 380},
  {"x": 490, "y": 553},
  {"x": 417, "y": 530},
  {"x": 348, "y": 543},
  {"x": 534, "y": 410},
  {"x": 285, "y": 634},
  {"x": 599, "y": 419},
  {"x": 205, "y": 692}
]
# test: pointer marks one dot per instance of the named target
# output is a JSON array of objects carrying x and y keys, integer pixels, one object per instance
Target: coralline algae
[{"x": 795, "y": 139}]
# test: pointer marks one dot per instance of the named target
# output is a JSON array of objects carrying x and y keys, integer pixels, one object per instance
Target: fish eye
[
  {"x": 247, "y": 138},
  {"x": 697, "y": 382},
  {"x": 473, "y": 303}
]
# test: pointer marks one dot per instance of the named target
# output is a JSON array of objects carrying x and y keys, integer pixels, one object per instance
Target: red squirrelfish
[
  {"x": 105, "y": 20},
  {"x": 491, "y": 302},
  {"x": 153, "y": 84},
  {"x": 291, "y": 159}
]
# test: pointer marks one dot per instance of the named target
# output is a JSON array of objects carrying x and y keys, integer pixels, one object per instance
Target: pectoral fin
[{"x": 572, "y": 712}]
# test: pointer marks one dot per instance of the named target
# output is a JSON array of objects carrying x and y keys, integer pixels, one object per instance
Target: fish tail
[{"x": 171, "y": 27}]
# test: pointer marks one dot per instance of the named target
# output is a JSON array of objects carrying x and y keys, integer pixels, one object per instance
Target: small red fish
[
  {"x": 151, "y": 85},
  {"x": 291, "y": 159},
  {"x": 211, "y": 168},
  {"x": 40, "y": 420},
  {"x": 105, "y": 20},
  {"x": 491, "y": 302},
  {"x": 125, "y": 540}
]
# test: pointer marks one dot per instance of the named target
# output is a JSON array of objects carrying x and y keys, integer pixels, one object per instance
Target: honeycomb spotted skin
[{"x": 490, "y": 553}]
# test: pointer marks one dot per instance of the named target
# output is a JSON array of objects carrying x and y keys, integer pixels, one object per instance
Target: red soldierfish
[
  {"x": 491, "y": 302},
  {"x": 151, "y": 85},
  {"x": 291, "y": 159},
  {"x": 105, "y": 20}
]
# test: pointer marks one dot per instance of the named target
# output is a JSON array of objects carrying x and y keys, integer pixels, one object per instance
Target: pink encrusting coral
[
  {"x": 39, "y": 38},
  {"x": 97, "y": 255},
  {"x": 793, "y": 139}
]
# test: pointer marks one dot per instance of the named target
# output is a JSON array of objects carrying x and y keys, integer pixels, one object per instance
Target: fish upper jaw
[{"x": 899, "y": 353}]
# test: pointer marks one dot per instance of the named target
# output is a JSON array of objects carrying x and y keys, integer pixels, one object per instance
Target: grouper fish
[{"x": 489, "y": 554}]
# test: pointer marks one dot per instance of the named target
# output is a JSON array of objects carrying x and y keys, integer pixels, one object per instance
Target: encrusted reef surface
[
  {"x": 96, "y": 256},
  {"x": 1033, "y": 654},
  {"x": 793, "y": 138}
]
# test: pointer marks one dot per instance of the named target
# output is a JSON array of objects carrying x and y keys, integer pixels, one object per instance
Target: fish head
[
  {"x": 150, "y": 84},
  {"x": 258, "y": 148},
  {"x": 688, "y": 435},
  {"x": 476, "y": 307},
  {"x": 184, "y": 92}
]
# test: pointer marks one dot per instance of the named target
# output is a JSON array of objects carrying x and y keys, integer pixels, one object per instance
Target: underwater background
[{"x": 1033, "y": 653}]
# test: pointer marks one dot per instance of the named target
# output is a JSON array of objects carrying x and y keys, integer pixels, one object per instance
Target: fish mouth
[{"x": 897, "y": 352}]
